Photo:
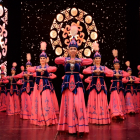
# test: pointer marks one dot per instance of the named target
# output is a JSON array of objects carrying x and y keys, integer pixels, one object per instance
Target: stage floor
[{"x": 14, "y": 128}]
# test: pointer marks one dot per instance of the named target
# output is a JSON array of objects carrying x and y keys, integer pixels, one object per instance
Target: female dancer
[
  {"x": 26, "y": 90},
  {"x": 98, "y": 112},
  {"x": 138, "y": 88},
  {"x": 3, "y": 96},
  {"x": 42, "y": 112},
  {"x": 117, "y": 102},
  {"x": 130, "y": 91},
  {"x": 73, "y": 116},
  {"x": 13, "y": 104}
]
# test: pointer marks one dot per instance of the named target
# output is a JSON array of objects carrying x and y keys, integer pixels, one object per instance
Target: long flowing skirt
[
  {"x": 115, "y": 105},
  {"x": 3, "y": 102},
  {"x": 138, "y": 97},
  {"x": 131, "y": 103},
  {"x": 72, "y": 117},
  {"x": 97, "y": 109},
  {"x": 13, "y": 104},
  {"x": 26, "y": 102},
  {"x": 55, "y": 102},
  {"x": 122, "y": 99},
  {"x": 42, "y": 112}
]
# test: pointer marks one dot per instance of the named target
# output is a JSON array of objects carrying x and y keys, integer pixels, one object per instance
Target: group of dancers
[{"x": 38, "y": 101}]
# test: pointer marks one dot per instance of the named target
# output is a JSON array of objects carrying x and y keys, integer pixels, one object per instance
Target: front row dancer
[
  {"x": 72, "y": 117},
  {"x": 42, "y": 112},
  {"x": 97, "y": 109}
]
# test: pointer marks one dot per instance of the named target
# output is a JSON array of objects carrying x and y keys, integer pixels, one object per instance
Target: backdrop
[{"x": 117, "y": 25}]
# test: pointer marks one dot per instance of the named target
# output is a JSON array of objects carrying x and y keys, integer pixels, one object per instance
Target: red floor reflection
[{"x": 14, "y": 128}]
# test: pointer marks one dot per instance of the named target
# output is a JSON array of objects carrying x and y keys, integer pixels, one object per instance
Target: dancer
[
  {"x": 42, "y": 112},
  {"x": 13, "y": 104},
  {"x": 72, "y": 116},
  {"x": 26, "y": 90},
  {"x": 130, "y": 91},
  {"x": 3, "y": 96},
  {"x": 97, "y": 109},
  {"x": 117, "y": 101},
  {"x": 138, "y": 88}
]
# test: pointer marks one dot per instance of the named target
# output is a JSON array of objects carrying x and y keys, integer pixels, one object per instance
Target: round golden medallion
[
  {"x": 88, "y": 19},
  {"x": 87, "y": 52},
  {"x": 58, "y": 51},
  {"x": 1, "y": 10},
  {"x": 53, "y": 34},
  {"x": 59, "y": 17},
  {"x": 93, "y": 35},
  {"x": 74, "y": 11}
]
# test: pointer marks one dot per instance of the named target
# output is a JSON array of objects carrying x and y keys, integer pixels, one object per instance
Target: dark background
[{"x": 117, "y": 23}]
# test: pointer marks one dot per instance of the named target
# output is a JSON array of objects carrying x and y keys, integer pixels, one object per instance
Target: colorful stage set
[{"x": 69, "y": 69}]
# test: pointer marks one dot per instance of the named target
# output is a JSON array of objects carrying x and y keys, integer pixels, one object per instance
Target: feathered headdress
[
  {"x": 43, "y": 46},
  {"x": 28, "y": 59},
  {"x": 96, "y": 48},
  {"x": 14, "y": 66},
  {"x": 115, "y": 54},
  {"x": 22, "y": 68},
  {"x": 73, "y": 31},
  {"x": 138, "y": 67},
  {"x": 128, "y": 65},
  {"x": 2, "y": 69}
]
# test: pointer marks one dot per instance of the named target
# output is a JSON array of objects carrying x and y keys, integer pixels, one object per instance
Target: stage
[{"x": 14, "y": 128}]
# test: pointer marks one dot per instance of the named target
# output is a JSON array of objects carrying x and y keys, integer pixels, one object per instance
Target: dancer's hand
[
  {"x": 78, "y": 61},
  {"x": 117, "y": 75},
  {"x": 39, "y": 70},
  {"x": 71, "y": 61},
  {"x": 44, "y": 69}
]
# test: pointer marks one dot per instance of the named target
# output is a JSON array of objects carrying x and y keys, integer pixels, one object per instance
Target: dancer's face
[
  {"x": 130, "y": 72},
  {"x": 28, "y": 66},
  {"x": 117, "y": 66},
  {"x": 72, "y": 51},
  {"x": 97, "y": 60},
  {"x": 42, "y": 60},
  {"x": 13, "y": 71}
]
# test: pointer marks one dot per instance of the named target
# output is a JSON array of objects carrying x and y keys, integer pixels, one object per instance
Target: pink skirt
[
  {"x": 131, "y": 103},
  {"x": 121, "y": 95},
  {"x": 115, "y": 104},
  {"x": 55, "y": 102},
  {"x": 13, "y": 104},
  {"x": 26, "y": 102},
  {"x": 72, "y": 117},
  {"x": 97, "y": 109},
  {"x": 3, "y": 102},
  {"x": 42, "y": 112},
  {"x": 138, "y": 97}
]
